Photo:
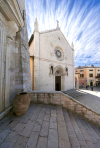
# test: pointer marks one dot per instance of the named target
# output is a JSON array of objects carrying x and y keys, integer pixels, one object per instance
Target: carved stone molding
[
  {"x": 12, "y": 28},
  {"x": 9, "y": 39},
  {"x": 59, "y": 71}
]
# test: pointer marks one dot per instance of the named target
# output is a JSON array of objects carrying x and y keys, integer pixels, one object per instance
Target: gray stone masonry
[{"x": 66, "y": 101}]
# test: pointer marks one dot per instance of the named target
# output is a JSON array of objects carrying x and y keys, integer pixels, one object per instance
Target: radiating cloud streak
[{"x": 79, "y": 22}]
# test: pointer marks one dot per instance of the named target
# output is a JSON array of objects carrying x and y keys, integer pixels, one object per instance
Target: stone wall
[
  {"x": 14, "y": 53},
  {"x": 58, "y": 98}
]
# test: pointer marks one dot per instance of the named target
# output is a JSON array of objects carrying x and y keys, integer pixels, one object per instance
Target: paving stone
[
  {"x": 38, "y": 108},
  {"x": 48, "y": 109},
  {"x": 69, "y": 127},
  {"x": 92, "y": 131},
  {"x": 53, "y": 122},
  {"x": 44, "y": 129},
  {"x": 60, "y": 117},
  {"x": 63, "y": 136},
  {"x": 90, "y": 144},
  {"x": 41, "y": 115},
  {"x": 26, "y": 117},
  {"x": 53, "y": 113},
  {"x": 96, "y": 129},
  {"x": 21, "y": 142},
  {"x": 66, "y": 116},
  {"x": 37, "y": 127},
  {"x": 5, "y": 124},
  {"x": 52, "y": 139},
  {"x": 12, "y": 137},
  {"x": 74, "y": 142},
  {"x": 63, "y": 143},
  {"x": 42, "y": 142},
  {"x": 19, "y": 128},
  {"x": 47, "y": 117},
  {"x": 7, "y": 144},
  {"x": 39, "y": 121},
  {"x": 34, "y": 117},
  {"x": 83, "y": 144},
  {"x": 84, "y": 133},
  {"x": 74, "y": 124},
  {"x": 28, "y": 128},
  {"x": 93, "y": 139},
  {"x": 14, "y": 122},
  {"x": 32, "y": 141},
  {"x": 4, "y": 134},
  {"x": 71, "y": 133}
]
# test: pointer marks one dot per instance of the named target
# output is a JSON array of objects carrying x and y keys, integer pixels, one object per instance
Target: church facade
[{"x": 51, "y": 60}]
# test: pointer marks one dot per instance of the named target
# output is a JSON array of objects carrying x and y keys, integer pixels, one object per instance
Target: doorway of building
[
  {"x": 91, "y": 83},
  {"x": 58, "y": 83}
]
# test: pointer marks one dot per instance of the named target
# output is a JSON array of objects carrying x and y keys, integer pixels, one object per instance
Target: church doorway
[
  {"x": 58, "y": 83},
  {"x": 91, "y": 83}
]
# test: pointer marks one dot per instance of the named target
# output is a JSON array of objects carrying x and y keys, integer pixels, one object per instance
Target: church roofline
[
  {"x": 47, "y": 31},
  {"x": 56, "y": 30},
  {"x": 31, "y": 39},
  {"x": 83, "y": 67}
]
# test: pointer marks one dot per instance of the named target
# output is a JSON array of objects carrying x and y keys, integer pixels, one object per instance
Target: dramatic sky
[{"x": 79, "y": 20}]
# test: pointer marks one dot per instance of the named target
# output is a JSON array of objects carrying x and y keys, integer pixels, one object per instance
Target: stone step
[{"x": 80, "y": 132}]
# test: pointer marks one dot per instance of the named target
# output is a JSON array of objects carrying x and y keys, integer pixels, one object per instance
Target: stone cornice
[
  {"x": 52, "y": 61},
  {"x": 3, "y": 20},
  {"x": 11, "y": 12}
]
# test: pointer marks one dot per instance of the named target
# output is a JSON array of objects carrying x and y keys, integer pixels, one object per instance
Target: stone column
[
  {"x": 7, "y": 74},
  {"x": 77, "y": 85}
]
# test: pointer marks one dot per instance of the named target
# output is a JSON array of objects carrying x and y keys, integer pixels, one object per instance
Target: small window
[
  {"x": 91, "y": 75},
  {"x": 81, "y": 75},
  {"x": 91, "y": 70},
  {"x": 81, "y": 70},
  {"x": 98, "y": 74},
  {"x": 98, "y": 69}
]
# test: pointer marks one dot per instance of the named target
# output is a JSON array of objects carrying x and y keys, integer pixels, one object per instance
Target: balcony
[{"x": 97, "y": 77}]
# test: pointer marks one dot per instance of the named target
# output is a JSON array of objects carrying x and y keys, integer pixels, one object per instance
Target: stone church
[
  {"x": 51, "y": 60},
  {"x": 15, "y": 73}
]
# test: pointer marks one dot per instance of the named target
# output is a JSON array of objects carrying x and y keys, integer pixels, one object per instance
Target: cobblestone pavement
[
  {"x": 89, "y": 98},
  {"x": 47, "y": 126}
]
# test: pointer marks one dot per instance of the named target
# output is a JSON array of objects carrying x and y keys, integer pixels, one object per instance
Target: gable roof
[{"x": 47, "y": 31}]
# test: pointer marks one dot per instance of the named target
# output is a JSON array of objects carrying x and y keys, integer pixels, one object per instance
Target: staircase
[
  {"x": 74, "y": 93},
  {"x": 47, "y": 126}
]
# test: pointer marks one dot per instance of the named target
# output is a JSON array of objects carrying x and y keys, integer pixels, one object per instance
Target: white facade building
[{"x": 51, "y": 60}]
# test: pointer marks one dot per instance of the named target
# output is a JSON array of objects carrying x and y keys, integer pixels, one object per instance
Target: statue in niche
[
  {"x": 51, "y": 70},
  {"x": 66, "y": 69}
]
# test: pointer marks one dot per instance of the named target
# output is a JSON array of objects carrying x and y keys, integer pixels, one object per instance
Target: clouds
[{"x": 79, "y": 22}]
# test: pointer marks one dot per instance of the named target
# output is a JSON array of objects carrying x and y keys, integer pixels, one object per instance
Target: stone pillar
[
  {"x": 7, "y": 75},
  {"x": 77, "y": 85}
]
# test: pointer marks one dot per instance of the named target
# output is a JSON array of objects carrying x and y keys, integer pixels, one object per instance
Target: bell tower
[{"x": 36, "y": 25}]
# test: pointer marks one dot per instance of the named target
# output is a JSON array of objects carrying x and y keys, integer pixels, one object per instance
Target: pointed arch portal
[{"x": 59, "y": 72}]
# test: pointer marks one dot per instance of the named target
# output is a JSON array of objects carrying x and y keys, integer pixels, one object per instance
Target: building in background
[
  {"x": 14, "y": 52},
  {"x": 51, "y": 60},
  {"x": 88, "y": 75}
]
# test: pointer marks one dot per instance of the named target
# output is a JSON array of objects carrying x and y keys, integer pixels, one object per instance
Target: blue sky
[{"x": 79, "y": 20}]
